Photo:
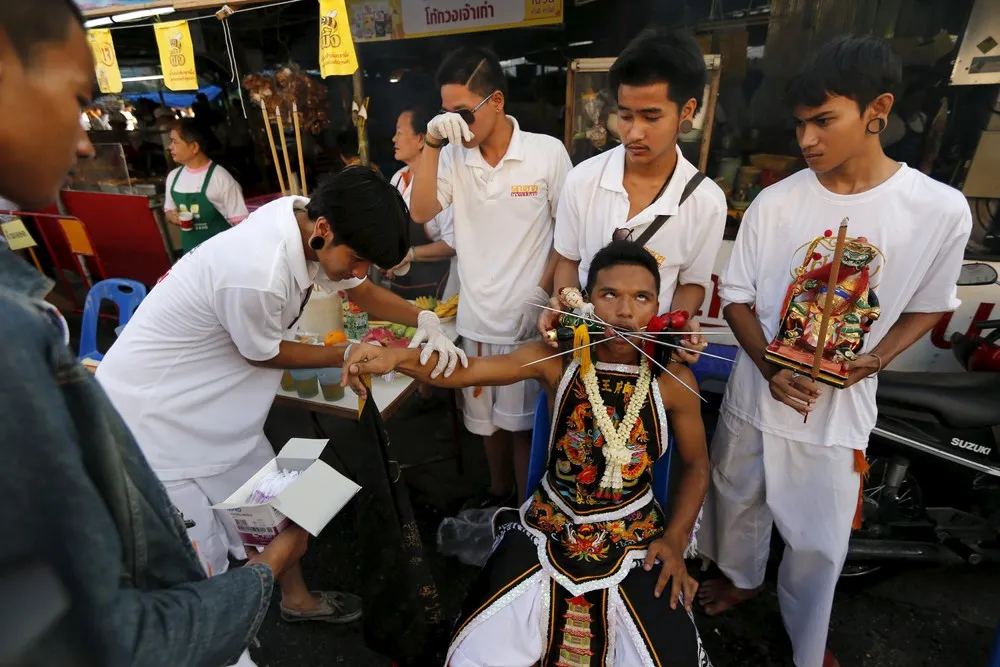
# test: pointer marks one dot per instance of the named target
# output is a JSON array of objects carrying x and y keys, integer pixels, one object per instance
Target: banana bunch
[
  {"x": 425, "y": 302},
  {"x": 447, "y": 308}
]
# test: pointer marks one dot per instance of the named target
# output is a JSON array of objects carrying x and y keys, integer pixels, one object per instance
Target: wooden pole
[
  {"x": 34, "y": 258},
  {"x": 298, "y": 146},
  {"x": 359, "y": 98},
  {"x": 274, "y": 151},
  {"x": 831, "y": 289},
  {"x": 706, "y": 128},
  {"x": 284, "y": 153}
]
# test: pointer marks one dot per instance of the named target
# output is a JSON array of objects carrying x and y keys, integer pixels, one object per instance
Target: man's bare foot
[{"x": 717, "y": 595}]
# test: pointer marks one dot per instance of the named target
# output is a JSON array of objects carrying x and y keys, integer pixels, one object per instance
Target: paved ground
[{"x": 919, "y": 617}]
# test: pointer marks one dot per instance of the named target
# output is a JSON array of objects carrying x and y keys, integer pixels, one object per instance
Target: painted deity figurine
[{"x": 855, "y": 305}]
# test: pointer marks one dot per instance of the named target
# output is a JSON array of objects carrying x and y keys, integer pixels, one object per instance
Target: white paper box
[{"x": 315, "y": 497}]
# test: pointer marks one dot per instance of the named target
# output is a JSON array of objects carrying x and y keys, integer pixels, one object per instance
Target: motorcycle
[{"x": 933, "y": 490}]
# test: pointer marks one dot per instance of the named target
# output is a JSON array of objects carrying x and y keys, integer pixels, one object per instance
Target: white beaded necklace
[{"x": 616, "y": 451}]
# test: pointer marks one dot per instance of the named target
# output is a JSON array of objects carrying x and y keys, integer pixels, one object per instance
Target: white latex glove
[
  {"x": 449, "y": 126},
  {"x": 527, "y": 323},
  {"x": 429, "y": 330}
]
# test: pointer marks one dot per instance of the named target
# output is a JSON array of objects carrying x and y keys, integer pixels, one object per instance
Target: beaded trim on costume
[
  {"x": 616, "y": 368},
  {"x": 500, "y": 603},
  {"x": 543, "y": 617},
  {"x": 644, "y": 499},
  {"x": 633, "y": 631},
  {"x": 612, "y": 627}
]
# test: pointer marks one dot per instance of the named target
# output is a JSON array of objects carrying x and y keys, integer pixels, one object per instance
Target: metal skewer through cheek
[
  {"x": 661, "y": 366},
  {"x": 674, "y": 332},
  {"x": 553, "y": 356},
  {"x": 686, "y": 349},
  {"x": 579, "y": 317},
  {"x": 622, "y": 334}
]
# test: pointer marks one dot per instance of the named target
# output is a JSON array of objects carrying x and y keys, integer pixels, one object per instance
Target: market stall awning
[{"x": 179, "y": 100}]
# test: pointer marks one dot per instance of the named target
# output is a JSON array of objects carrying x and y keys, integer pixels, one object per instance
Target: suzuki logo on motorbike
[{"x": 971, "y": 446}]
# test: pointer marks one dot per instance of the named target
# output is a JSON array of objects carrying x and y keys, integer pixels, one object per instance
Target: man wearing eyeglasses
[
  {"x": 503, "y": 185},
  {"x": 645, "y": 190}
]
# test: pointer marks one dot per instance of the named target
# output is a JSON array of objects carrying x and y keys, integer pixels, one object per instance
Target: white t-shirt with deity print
[{"x": 919, "y": 228}]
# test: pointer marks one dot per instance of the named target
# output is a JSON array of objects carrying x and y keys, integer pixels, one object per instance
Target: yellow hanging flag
[
  {"x": 109, "y": 77},
  {"x": 336, "y": 47},
  {"x": 176, "y": 55}
]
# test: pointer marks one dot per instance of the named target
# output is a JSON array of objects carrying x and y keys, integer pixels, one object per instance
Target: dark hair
[
  {"x": 190, "y": 131},
  {"x": 661, "y": 56},
  {"x": 618, "y": 253},
  {"x": 419, "y": 117},
  {"x": 347, "y": 143},
  {"x": 861, "y": 68},
  {"x": 366, "y": 213},
  {"x": 30, "y": 24},
  {"x": 475, "y": 67}
]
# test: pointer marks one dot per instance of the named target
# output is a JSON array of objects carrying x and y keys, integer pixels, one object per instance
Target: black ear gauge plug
[{"x": 317, "y": 242}]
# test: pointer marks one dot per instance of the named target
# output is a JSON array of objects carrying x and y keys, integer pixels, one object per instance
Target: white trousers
[
  {"x": 507, "y": 408},
  {"x": 810, "y": 492},
  {"x": 214, "y": 533}
]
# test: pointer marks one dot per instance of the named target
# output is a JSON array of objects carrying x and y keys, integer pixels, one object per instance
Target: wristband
[
  {"x": 877, "y": 370},
  {"x": 436, "y": 146},
  {"x": 413, "y": 254},
  {"x": 347, "y": 350}
]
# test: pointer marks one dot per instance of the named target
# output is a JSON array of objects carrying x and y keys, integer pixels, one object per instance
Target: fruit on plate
[
  {"x": 398, "y": 330},
  {"x": 334, "y": 337},
  {"x": 348, "y": 306},
  {"x": 447, "y": 308},
  {"x": 385, "y": 338},
  {"x": 425, "y": 302},
  {"x": 410, "y": 333}
]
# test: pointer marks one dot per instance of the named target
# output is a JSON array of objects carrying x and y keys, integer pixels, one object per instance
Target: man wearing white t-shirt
[
  {"x": 503, "y": 185},
  {"x": 767, "y": 465},
  {"x": 202, "y": 198},
  {"x": 196, "y": 370},
  {"x": 645, "y": 189}
]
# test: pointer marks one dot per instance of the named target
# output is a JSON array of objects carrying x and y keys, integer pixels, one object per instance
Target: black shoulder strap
[{"x": 658, "y": 222}]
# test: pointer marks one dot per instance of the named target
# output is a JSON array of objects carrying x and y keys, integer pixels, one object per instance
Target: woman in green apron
[{"x": 203, "y": 199}]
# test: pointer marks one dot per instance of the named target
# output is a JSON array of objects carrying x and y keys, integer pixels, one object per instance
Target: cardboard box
[{"x": 315, "y": 497}]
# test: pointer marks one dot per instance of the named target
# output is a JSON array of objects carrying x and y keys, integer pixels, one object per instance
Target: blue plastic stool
[
  {"x": 540, "y": 454},
  {"x": 712, "y": 374},
  {"x": 126, "y": 294}
]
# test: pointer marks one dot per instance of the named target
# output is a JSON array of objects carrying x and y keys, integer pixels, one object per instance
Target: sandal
[{"x": 334, "y": 607}]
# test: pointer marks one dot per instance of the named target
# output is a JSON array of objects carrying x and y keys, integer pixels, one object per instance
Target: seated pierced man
[{"x": 571, "y": 580}]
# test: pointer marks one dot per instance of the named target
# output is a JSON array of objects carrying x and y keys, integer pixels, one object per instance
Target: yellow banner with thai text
[
  {"x": 173, "y": 38},
  {"x": 379, "y": 20},
  {"x": 109, "y": 77},
  {"x": 336, "y": 46},
  {"x": 18, "y": 237}
]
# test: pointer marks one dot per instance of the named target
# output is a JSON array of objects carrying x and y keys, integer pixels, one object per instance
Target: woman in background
[
  {"x": 203, "y": 199},
  {"x": 429, "y": 266}
]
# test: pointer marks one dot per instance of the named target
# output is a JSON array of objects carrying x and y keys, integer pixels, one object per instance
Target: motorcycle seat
[{"x": 959, "y": 400}]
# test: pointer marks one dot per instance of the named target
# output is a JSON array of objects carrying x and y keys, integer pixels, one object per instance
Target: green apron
[{"x": 207, "y": 220}]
